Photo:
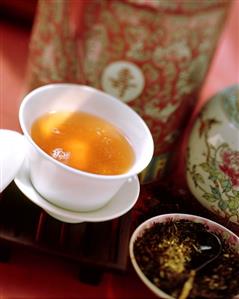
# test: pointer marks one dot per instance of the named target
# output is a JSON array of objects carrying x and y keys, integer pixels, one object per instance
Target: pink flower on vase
[{"x": 230, "y": 166}]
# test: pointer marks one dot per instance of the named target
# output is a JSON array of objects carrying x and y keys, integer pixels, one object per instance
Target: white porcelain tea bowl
[
  {"x": 231, "y": 239},
  {"x": 67, "y": 187},
  {"x": 213, "y": 155}
]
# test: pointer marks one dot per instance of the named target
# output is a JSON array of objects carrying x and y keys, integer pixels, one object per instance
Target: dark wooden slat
[
  {"x": 123, "y": 240},
  {"x": 96, "y": 242},
  {"x": 63, "y": 234},
  {"x": 40, "y": 226}
]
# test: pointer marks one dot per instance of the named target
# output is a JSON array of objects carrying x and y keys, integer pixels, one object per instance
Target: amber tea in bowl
[
  {"x": 83, "y": 144},
  {"x": 83, "y": 141}
]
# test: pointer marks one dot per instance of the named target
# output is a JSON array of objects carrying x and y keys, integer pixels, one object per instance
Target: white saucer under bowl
[{"x": 121, "y": 203}]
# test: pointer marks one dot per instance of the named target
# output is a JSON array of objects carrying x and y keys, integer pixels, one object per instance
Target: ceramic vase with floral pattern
[{"x": 213, "y": 155}]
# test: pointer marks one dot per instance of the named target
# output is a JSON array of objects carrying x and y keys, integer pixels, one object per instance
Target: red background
[{"x": 31, "y": 275}]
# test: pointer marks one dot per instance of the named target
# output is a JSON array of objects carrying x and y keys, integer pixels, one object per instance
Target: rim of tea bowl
[
  {"x": 67, "y": 187},
  {"x": 211, "y": 225}
]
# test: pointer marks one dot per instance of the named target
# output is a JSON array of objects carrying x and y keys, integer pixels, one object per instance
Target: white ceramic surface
[
  {"x": 12, "y": 149},
  {"x": 213, "y": 155},
  {"x": 226, "y": 234},
  {"x": 62, "y": 185},
  {"x": 120, "y": 203}
]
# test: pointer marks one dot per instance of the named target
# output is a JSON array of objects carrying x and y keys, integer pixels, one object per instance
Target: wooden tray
[{"x": 98, "y": 247}]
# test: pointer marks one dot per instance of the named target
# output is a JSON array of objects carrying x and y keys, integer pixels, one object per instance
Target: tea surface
[{"x": 83, "y": 141}]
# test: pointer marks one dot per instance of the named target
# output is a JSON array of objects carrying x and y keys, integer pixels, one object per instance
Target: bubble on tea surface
[
  {"x": 56, "y": 131},
  {"x": 60, "y": 155}
]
